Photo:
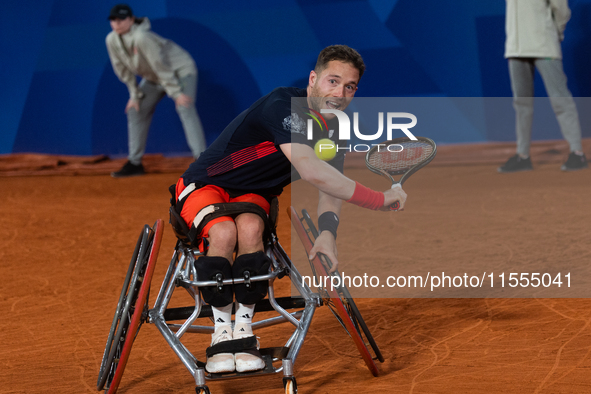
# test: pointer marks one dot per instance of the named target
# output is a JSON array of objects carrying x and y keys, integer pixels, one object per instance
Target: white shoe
[
  {"x": 246, "y": 362},
  {"x": 221, "y": 362}
]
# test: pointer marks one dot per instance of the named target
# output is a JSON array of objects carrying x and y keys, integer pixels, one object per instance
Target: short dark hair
[{"x": 341, "y": 53}]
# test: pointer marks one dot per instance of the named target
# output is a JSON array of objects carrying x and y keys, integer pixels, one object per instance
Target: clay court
[{"x": 68, "y": 231}]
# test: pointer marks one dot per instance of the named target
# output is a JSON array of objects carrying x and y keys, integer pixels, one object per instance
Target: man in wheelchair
[{"x": 255, "y": 157}]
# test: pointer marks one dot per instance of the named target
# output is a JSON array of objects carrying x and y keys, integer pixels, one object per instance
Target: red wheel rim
[
  {"x": 139, "y": 307},
  {"x": 334, "y": 296}
]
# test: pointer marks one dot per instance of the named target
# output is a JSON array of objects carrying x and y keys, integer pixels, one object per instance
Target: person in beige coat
[
  {"x": 165, "y": 69},
  {"x": 534, "y": 31}
]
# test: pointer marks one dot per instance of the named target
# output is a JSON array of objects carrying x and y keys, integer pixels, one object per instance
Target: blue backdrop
[{"x": 61, "y": 96}]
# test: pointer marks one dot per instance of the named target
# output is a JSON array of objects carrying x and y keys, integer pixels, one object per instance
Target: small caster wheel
[
  {"x": 202, "y": 390},
  {"x": 290, "y": 385}
]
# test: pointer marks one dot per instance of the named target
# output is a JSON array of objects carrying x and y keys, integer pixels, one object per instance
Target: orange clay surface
[{"x": 66, "y": 241}]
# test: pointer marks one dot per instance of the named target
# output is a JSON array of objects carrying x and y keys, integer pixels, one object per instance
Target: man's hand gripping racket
[{"x": 400, "y": 156}]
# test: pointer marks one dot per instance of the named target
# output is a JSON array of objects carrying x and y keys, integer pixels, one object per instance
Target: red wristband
[{"x": 367, "y": 198}]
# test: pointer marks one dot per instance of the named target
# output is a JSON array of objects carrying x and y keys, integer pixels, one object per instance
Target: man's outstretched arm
[
  {"x": 334, "y": 187},
  {"x": 328, "y": 179}
]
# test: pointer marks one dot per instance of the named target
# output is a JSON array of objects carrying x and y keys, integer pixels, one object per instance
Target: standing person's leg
[
  {"x": 521, "y": 72},
  {"x": 138, "y": 123},
  {"x": 190, "y": 118},
  {"x": 564, "y": 107},
  {"x": 522, "y": 86}
]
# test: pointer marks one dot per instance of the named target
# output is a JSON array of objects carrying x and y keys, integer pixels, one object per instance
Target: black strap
[
  {"x": 275, "y": 352},
  {"x": 231, "y": 209},
  {"x": 244, "y": 345},
  {"x": 190, "y": 236}
]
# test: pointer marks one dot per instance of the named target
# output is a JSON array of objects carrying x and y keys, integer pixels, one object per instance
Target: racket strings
[{"x": 396, "y": 160}]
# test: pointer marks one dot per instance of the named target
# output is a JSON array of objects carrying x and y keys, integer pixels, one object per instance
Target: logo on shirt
[
  {"x": 294, "y": 124},
  {"x": 320, "y": 120}
]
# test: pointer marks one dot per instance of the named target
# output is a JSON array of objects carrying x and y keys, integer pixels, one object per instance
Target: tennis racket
[{"x": 400, "y": 156}]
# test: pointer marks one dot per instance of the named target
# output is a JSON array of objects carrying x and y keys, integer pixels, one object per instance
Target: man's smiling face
[{"x": 333, "y": 88}]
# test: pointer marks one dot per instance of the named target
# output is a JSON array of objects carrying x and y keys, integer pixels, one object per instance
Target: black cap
[{"x": 120, "y": 11}]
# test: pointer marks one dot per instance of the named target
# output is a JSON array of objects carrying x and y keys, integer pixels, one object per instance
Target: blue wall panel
[
  {"x": 22, "y": 30},
  {"x": 55, "y": 119}
]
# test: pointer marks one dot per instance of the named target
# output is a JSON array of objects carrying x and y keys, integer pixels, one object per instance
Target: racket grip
[{"x": 396, "y": 205}]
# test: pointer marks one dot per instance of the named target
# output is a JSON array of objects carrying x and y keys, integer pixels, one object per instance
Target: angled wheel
[
  {"x": 132, "y": 308},
  {"x": 357, "y": 320},
  {"x": 338, "y": 299},
  {"x": 348, "y": 301}
]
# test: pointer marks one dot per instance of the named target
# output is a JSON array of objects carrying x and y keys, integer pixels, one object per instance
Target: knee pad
[
  {"x": 215, "y": 268},
  {"x": 254, "y": 264}
]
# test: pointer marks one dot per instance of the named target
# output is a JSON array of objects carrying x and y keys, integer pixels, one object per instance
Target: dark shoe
[
  {"x": 516, "y": 163},
  {"x": 129, "y": 169},
  {"x": 575, "y": 162}
]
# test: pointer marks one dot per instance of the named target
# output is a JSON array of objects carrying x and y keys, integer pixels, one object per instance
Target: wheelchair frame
[{"x": 133, "y": 309}]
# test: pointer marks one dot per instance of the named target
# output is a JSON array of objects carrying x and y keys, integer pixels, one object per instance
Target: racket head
[{"x": 389, "y": 160}]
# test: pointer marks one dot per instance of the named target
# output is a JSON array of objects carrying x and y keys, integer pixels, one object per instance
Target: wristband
[
  {"x": 364, "y": 197},
  {"x": 328, "y": 221}
]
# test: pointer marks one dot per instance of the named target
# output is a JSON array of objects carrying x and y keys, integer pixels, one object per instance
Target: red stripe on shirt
[{"x": 241, "y": 157}]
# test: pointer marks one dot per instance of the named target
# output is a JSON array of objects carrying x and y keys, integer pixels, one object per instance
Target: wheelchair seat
[{"x": 189, "y": 236}]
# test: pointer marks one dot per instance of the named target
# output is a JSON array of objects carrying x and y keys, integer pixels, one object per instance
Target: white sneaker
[
  {"x": 221, "y": 362},
  {"x": 246, "y": 362}
]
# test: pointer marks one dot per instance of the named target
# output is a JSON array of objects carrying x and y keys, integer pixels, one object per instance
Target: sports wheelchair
[{"x": 173, "y": 323}]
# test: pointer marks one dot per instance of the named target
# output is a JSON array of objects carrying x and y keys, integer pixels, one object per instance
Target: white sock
[
  {"x": 222, "y": 316},
  {"x": 244, "y": 313}
]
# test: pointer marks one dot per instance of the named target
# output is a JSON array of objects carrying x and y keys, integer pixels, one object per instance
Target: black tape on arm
[{"x": 328, "y": 221}]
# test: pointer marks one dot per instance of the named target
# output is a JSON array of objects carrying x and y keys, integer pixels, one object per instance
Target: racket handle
[{"x": 396, "y": 205}]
